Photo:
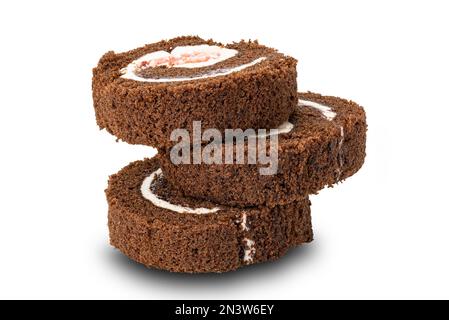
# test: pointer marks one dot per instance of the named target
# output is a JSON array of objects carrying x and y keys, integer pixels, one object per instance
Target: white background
[{"x": 384, "y": 233}]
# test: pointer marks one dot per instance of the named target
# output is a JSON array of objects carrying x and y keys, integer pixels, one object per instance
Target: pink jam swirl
[{"x": 172, "y": 60}]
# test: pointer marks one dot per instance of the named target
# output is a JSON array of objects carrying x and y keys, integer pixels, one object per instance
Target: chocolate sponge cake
[
  {"x": 141, "y": 96},
  {"x": 325, "y": 144},
  {"x": 207, "y": 203},
  {"x": 158, "y": 227}
]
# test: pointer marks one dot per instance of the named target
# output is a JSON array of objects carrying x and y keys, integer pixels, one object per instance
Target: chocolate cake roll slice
[
  {"x": 141, "y": 96},
  {"x": 158, "y": 227},
  {"x": 323, "y": 143}
]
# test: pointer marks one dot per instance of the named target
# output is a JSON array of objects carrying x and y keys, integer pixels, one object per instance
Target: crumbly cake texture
[
  {"x": 198, "y": 243},
  {"x": 260, "y": 96},
  {"x": 318, "y": 152}
]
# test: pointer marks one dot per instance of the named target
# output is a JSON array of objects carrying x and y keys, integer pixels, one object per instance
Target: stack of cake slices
[{"x": 201, "y": 215}]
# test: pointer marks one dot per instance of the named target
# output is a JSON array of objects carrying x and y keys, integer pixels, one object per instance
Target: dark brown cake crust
[
  {"x": 261, "y": 96},
  {"x": 310, "y": 158},
  {"x": 193, "y": 243}
]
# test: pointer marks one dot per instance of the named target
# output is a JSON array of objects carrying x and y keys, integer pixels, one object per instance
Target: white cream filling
[
  {"x": 130, "y": 74},
  {"x": 189, "y": 57},
  {"x": 286, "y": 127},
  {"x": 184, "y": 57},
  {"x": 244, "y": 223},
  {"x": 326, "y": 111},
  {"x": 250, "y": 250},
  {"x": 148, "y": 194}
]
